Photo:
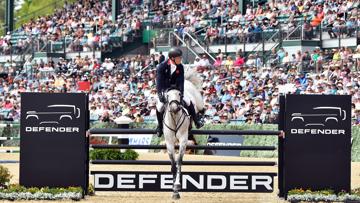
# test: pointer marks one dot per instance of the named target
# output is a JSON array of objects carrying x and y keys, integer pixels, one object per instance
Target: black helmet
[{"x": 174, "y": 52}]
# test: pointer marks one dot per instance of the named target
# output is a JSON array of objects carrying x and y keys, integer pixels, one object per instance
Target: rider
[{"x": 171, "y": 73}]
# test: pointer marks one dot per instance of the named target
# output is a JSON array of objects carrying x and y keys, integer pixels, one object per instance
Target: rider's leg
[
  {"x": 191, "y": 108},
  {"x": 160, "y": 117}
]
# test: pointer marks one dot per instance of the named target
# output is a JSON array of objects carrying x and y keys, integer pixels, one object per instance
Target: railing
[
  {"x": 167, "y": 21},
  {"x": 163, "y": 37},
  {"x": 188, "y": 47},
  {"x": 322, "y": 32},
  {"x": 275, "y": 38},
  {"x": 142, "y": 70},
  {"x": 284, "y": 20},
  {"x": 298, "y": 32},
  {"x": 19, "y": 54},
  {"x": 195, "y": 42},
  {"x": 197, "y": 35},
  {"x": 65, "y": 44},
  {"x": 315, "y": 66},
  {"x": 292, "y": 34},
  {"x": 201, "y": 30},
  {"x": 307, "y": 65},
  {"x": 336, "y": 33},
  {"x": 169, "y": 38},
  {"x": 69, "y": 44},
  {"x": 25, "y": 54}
]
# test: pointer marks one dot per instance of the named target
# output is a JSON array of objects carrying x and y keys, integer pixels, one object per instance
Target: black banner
[
  {"x": 317, "y": 147},
  {"x": 147, "y": 181},
  {"x": 228, "y": 140},
  {"x": 54, "y": 146}
]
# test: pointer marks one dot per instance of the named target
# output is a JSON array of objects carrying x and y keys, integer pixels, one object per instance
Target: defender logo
[
  {"x": 323, "y": 115},
  {"x": 56, "y": 114},
  {"x": 191, "y": 181}
]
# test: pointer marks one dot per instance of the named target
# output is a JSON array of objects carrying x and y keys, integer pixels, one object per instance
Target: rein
[{"x": 182, "y": 116}]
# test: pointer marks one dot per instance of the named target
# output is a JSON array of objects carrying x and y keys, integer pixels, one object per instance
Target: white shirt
[
  {"x": 172, "y": 68},
  {"x": 108, "y": 66}
]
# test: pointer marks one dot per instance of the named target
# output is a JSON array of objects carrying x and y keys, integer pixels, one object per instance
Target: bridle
[
  {"x": 176, "y": 102},
  {"x": 182, "y": 117}
]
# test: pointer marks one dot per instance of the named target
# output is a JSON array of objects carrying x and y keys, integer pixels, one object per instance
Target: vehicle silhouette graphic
[
  {"x": 55, "y": 114},
  {"x": 323, "y": 115}
]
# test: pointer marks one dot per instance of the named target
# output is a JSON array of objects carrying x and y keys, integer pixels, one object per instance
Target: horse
[{"x": 177, "y": 123}]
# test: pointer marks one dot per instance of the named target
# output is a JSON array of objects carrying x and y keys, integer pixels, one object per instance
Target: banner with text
[
  {"x": 317, "y": 152},
  {"x": 53, "y": 145},
  {"x": 191, "y": 181}
]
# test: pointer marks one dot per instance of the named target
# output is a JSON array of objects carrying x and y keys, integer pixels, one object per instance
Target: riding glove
[{"x": 161, "y": 97}]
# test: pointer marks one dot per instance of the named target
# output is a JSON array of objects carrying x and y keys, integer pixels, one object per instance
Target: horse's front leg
[
  {"x": 171, "y": 153},
  {"x": 182, "y": 149},
  {"x": 170, "y": 146}
]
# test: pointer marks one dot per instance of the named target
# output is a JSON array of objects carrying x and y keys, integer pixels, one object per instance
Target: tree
[
  {"x": 27, "y": 4},
  {"x": 2, "y": 11}
]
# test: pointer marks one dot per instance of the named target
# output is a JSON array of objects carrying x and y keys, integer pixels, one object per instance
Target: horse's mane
[{"x": 192, "y": 76}]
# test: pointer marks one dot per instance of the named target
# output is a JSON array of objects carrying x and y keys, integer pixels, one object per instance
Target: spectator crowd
[
  {"x": 220, "y": 21},
  {"x": 88, "y": 25},
  {"x": 83, "y": 26},
  {"x": 232, "y": 92},
  {"x": 239, "y": 89}
]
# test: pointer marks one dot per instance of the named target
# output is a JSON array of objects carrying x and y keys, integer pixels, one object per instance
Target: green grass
[
  {"x": 355, "y": 147},
  {"x": 38, "y": 8}
]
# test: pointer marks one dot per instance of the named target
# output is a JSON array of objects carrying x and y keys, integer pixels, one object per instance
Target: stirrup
[{"x": 199, "y": 124}]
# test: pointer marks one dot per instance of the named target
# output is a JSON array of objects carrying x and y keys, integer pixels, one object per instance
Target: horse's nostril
[{"x": 174, "y": 106}]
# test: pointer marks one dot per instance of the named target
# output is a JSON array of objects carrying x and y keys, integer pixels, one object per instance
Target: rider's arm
[
  {"x": 160, "y": 79},
  {"x": 182, "y": 80}
]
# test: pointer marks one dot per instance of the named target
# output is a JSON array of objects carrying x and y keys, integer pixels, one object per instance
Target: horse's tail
[{"x": 192, "y": 76}]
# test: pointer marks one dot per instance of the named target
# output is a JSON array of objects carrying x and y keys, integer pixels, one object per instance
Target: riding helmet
[{"x": 174, "y": 52}]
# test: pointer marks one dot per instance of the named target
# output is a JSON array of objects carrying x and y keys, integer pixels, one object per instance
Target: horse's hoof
[
  {"x": 177, "y": 187},
  {"x": 176, "y": 195}
]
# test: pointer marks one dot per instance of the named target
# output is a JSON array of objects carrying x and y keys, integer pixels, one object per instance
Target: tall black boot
[
  {"x": 159, "y": 129},
  {"x": 198, "y": 122}
]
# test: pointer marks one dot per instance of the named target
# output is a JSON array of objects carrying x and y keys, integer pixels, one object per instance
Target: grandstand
[{"x": 248, "y": 53}]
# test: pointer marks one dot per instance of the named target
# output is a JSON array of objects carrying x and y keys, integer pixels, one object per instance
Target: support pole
[
  {"x": 115, "y": 9},
  {"x": 9, "y": 16}
]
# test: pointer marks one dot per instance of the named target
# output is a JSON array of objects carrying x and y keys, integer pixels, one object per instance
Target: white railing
[
  {"x": 183, "y": 42},
  {"x": 199, "y": 45}
]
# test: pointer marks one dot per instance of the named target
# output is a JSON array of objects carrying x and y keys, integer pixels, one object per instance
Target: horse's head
[{"x": 173, "y": 97}]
